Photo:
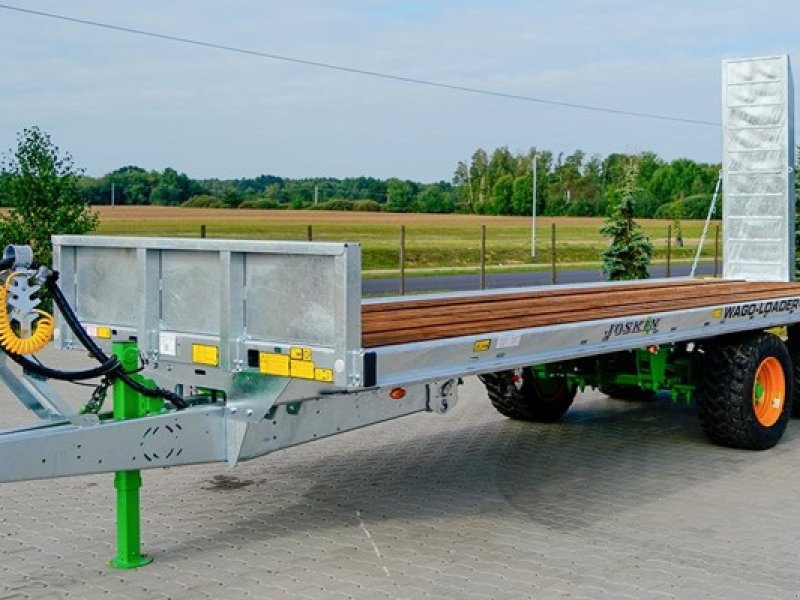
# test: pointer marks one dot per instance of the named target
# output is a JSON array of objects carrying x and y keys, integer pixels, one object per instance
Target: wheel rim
[{"x": 769, "y": 391}]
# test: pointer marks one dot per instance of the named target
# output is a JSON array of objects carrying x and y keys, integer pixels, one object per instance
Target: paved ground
[{"x": 620, "y": 500}]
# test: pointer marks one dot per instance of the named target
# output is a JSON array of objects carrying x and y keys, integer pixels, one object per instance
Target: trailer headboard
[{"x": 288, "y": 309}]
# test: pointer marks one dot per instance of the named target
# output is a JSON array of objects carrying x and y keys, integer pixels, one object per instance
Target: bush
[
  {"x": 366, "y": 206},
  {"x": 262, "y": 203},
  {"x": 204, "y": 202},
  {"x": 691, "y": 207},
  {"x": 334, "y": 205}
]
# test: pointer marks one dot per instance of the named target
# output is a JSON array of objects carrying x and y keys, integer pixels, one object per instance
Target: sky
[{"x": 112, "y": 98}]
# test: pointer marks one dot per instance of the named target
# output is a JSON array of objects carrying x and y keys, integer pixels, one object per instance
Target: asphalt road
[{"x": 460, "y": 283}]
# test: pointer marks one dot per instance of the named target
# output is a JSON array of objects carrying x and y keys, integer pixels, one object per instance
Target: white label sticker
[
  {"x": 168, "y": 344},
  {"x": 508, "y": 342}
]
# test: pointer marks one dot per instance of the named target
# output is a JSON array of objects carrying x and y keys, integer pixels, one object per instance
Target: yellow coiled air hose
[{"x": 42, "y": 332}]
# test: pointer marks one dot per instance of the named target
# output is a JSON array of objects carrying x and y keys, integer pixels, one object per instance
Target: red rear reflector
[{"x": 397, "y": 394}]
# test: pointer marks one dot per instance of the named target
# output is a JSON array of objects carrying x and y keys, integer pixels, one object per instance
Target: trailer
[{"x": 227, "y": 350}]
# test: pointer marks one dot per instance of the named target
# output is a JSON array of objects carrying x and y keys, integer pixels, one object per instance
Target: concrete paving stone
[{"x": 621, "y": 500}]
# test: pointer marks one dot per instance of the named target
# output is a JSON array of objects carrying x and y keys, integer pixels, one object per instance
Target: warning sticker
[{"x": 481, "y": 345}]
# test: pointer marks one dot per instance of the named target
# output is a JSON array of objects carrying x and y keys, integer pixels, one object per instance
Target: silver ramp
[{"x": 758, "y": 169}]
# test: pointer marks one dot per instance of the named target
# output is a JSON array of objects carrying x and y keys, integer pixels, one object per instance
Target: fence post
[
  {"x": 402, "y": 260},
  {"x": 716, "y": 251},
  {"x": 553, "y": 253},
  {"x": 202, "y": 231},
  {"x": 483, "y": 257},
  {"x": 669, "y": 249},
  {"x": 310, "y": 233}
]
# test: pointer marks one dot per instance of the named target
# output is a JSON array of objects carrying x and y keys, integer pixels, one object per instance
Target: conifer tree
[{"x": 630, "y": 250}]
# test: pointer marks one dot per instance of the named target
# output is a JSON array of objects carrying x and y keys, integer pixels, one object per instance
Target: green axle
[{"x": 654, "y": 369}]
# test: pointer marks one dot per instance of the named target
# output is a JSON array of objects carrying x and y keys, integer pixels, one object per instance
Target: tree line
[{"x": 496, "y": 183}]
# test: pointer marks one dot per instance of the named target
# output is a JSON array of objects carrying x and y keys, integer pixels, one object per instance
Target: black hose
[
  {"x": 106, "y": 368},
  {"x": 84, "y": 338}
]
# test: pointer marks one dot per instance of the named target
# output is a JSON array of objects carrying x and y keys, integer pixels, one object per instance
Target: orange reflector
[
  {"x": 397, "y": 394},
  {"x": 652, "y": 349}
]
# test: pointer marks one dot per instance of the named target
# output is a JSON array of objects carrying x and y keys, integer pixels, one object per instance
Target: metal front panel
[
  {"x": 757, "y": 166},
  {"x": 190, "y": 285},
  {"x": 292, "y": 298},
  {"x": 107, "y": 287},
  {"x": 181, "y": 297}
]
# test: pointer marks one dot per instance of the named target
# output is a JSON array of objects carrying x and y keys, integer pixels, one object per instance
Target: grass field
[{"x": 432, "y": 241}]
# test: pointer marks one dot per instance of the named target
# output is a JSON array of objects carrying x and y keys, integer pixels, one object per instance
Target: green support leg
[{"x": 128, "y": 404}]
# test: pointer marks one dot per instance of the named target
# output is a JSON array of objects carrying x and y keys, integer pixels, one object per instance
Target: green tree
[
  {"x": 132, "y": 185},
  {"x": 502, "y": 196},
  {"x": 630, "y": 250},
  {"x": 522, "y": 198},
  {"x": 400, "y": 196},
  {"x": 434, "y": 199},
  {"x": 40, "y": 184},
  {"x": 478, "y": 189}
]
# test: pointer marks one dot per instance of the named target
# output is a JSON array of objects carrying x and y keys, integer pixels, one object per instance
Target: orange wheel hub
[{"x": 769, "y": 391}]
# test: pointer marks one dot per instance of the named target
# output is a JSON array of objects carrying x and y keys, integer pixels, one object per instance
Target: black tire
[
  {"x": 629, "y": 393},
  {"x": 725, "y": 401},
  {"x": 794, "y": 353},
  {"x": 519, "y": 394}
]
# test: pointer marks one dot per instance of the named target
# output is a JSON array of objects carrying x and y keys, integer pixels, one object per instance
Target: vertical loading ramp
[{"x": 757, "y": 166}]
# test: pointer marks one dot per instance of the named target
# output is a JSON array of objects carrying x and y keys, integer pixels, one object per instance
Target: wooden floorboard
[{"x": 393, "y": 322}]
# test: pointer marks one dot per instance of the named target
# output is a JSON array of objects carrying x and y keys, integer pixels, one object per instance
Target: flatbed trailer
[
  {"x": 266, "y": 368},
  {"x": 226, "y": 350}
]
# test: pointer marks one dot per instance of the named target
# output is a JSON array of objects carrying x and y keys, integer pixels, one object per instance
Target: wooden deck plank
[{"x": 430, "y": 319}]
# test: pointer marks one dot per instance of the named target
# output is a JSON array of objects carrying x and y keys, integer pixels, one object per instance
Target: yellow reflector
[
  {"x": 104, "y": 332},
  {"x": 296, "y": 353},
  {"x": 325, "y": 375},
  {"x": 273, "y": 364},
  {"x": 203, "y": 354}
]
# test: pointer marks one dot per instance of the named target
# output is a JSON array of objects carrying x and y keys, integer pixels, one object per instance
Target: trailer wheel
[
  {"x": 794, "y": 353},
  {"x": 630, "y": 393},
  {"x": 745, "y": 397},
  {"x": 519, "y": 394}
]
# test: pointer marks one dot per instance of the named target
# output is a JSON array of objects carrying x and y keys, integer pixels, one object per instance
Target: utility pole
[
  {"x": 112, "y": 194},
  {"x": 316, "y": 194},
  {"x": 533, "y": 210}
]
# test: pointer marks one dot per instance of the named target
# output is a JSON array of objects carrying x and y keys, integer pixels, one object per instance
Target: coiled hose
[
  {"x": 15, "y": 347},
  {"x": 10, "y": 341}
]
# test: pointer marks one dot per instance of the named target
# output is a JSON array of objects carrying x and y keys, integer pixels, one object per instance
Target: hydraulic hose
[
  {"x": 42, "y": 371},
  {"x": 84, "y": 338}
]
